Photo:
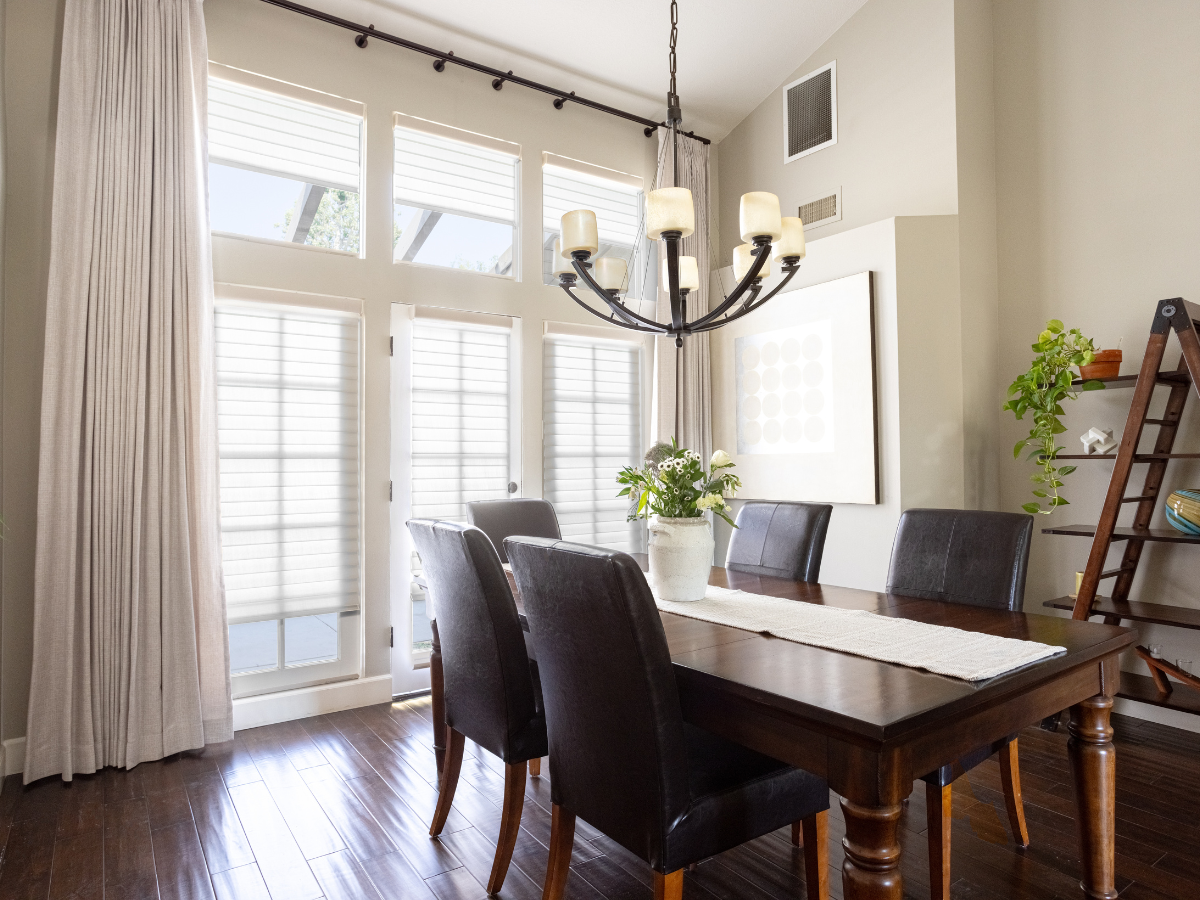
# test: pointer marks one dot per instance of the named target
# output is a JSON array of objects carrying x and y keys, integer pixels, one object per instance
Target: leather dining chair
[
  {"x": 491, "y": 690},
  {"x": 785, "y": 540},
  {"x": 621, "y": 755},
  {"x": 978, "y": 559},
  {"x": 499, "y": 519}
]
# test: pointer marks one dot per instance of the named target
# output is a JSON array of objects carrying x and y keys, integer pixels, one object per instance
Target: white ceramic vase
[{"x": 681, "y": 553}]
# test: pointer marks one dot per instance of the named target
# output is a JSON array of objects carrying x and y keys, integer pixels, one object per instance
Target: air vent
[
  {"x": 810, "y": 113},
  {"x": 821, "y": 210}
]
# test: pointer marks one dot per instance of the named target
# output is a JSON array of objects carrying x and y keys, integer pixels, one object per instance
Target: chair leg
[
  {"x": 510, "y": 824},
  {"x": 669, "y": 886},
  {"x": 449, "y": 782},
  {"x": 797, "y": 835},
  {"x": 938, "y": 805},
  {"x": 535, "y": 767},
  {"x": 816, "y": 854},
  {"x": 1010, "y": 779},
  {"x": 562, "y": 836}
]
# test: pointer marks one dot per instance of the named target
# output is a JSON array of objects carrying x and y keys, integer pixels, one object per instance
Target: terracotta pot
[{"x": 1106, "y": 364}]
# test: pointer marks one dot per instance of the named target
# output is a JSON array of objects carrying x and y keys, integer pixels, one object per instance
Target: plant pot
[
  {"x": 1106, "y": 364},
  {"x": 681, "y": 553}
]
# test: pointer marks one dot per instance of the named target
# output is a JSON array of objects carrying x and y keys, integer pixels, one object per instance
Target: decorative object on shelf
[
  {"x": 1104, "y": 364},
  {"x": 676, "y": 490},
  {"x": 1078, "y": 581},
  {"x": 670, "y": 216},
  {"x": 1098, "y": 440},
  {"x": 1041, "y": 391},
  {"x": 1183, "y": 511}
]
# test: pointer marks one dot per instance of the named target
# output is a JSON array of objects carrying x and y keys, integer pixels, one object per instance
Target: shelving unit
[{"x": 1182, "y": 318}]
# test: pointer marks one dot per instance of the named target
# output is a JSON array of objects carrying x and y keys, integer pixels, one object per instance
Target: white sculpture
[{"x": 1098, "y": 440}]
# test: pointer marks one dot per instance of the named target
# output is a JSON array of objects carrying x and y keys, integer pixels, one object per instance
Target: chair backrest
[
  {"x": 781, "y": 539},
  {"x": 617, "y": 752},
  {"x": 527, "y": 516},
  {"x": 962, "y": 556},
  {"x": 488, "y": 685}
]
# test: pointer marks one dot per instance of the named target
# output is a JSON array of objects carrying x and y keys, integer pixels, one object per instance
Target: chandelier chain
[{"x": 674, "y": 38}]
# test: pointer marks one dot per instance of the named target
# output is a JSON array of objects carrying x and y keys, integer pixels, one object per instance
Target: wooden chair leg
[
  {"x": 535, "y": 767},
  {"x": 1010, "y": 779},
  {"x": 797, "y": 835},
  {"x": 449, "y": 780},
  {"x": 669, "y": 886},
  {"x": 816, "y": 855},
  {"x": 562, "y": 836},
  {"x": 938, "y": 805},
  {"x": 510, "y": 824}
]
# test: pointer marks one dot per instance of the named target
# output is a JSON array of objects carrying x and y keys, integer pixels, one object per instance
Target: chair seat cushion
[{"x": 965, "y": 763}]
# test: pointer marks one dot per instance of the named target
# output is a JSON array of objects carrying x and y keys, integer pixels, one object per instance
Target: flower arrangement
[{"x": 674, "y": 484}]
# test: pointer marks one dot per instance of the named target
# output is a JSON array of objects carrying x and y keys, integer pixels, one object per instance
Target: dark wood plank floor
[{"x": 338, "y": 807}]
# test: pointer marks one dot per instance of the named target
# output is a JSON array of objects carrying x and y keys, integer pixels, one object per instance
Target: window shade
[
  {"x": 617, "y": 206},
  {"x": 592, "y": 429},
  {"x": 287, "y": 419},
  {"x": 266, "y": 132},
  {"x": 460, "y": 416},
  {"x": 438, "y": 173}
]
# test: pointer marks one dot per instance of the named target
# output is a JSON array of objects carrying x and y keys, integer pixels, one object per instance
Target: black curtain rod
[{"x": 498, "y": 77}]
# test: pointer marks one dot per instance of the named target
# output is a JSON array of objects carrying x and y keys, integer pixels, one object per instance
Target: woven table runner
[{"x": 936, "y": 648}]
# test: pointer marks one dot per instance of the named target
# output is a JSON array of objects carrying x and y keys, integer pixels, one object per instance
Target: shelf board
[
  {"x": 1166, "y": 535},
  {"x": 1156, "y": 613},
  {"x": 1138, "y": 457},
  {"x": 1128, "y": 381},
  {"x": 1142, "y": 689}
]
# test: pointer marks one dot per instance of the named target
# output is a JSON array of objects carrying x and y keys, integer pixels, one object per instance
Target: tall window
[
  {"x": 591, "y": 425},
  {"x": 288, "y": 429},
  {"x": 455, "y": 198},
  {"x": 285, "y": 162}
]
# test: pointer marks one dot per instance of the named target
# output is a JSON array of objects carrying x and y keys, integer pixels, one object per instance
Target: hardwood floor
[{"x": 339, "y": 807}]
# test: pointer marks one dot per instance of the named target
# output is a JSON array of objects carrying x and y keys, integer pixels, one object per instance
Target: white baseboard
[
  {"x": 13, "y": 754},
  {"x": 284, "y": 706}
]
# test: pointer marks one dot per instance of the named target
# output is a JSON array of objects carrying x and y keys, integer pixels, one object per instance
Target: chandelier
[{"x": 670, "y": 217}]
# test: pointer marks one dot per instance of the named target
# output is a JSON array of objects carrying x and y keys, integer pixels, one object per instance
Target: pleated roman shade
[{"x": 614, "y": 197}]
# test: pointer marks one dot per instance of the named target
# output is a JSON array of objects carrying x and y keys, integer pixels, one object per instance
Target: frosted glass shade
[
  {"x": 760, "y": 216},
  {"x": 669, "y": 209},
  {"x": 579, "y": 231},
  {"x": 792, "y": 242},
  {"x": 743, "y": 259},
  {"x": 689, "y": 274},
  {"x": 562, "y": 265},
  {"x": 609, "y": 271}
]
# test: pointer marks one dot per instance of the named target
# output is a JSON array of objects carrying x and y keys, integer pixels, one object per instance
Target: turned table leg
[
  {"x": 872, "y": 867},
  {"x": 1094, "y": 768},
  {"x": 437, "y": 693}
]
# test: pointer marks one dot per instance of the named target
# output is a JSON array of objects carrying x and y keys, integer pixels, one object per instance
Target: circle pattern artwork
[{"x": 784, "y": 389}]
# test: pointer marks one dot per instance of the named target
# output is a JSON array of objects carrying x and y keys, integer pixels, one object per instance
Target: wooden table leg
[
  {"x": 872, "y": 867},
  {"x": 1094, "y": 767},
  {"x": 437, "y": 693}
]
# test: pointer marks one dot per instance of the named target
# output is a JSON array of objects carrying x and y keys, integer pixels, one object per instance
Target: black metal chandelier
[{"x": 670, "y": 217}]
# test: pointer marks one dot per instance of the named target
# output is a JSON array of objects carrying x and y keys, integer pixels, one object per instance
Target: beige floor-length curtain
[
  {"x": 130, "y": 653},
  {"x": 694, "y": 418}
]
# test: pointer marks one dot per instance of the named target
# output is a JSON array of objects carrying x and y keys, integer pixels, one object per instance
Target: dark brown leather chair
[
  {"x": 979, "y": 559},
  {"x": 523, "y": 515},
  {"x": 621, "y": 755},
  {"x": 785, "y": 540},
  {"x": 491, "y": 690}
]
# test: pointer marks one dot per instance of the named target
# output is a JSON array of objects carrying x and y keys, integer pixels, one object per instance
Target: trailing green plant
[
  {"x": 1041, "y": 391},
  {"x": 674, "y": 484}
]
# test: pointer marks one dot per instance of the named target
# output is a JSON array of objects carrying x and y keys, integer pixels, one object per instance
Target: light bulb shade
[
  {"x": 792, "y": 242},
  {"x": 669, "y": 209},
  {"x": 609, "y": 272},
  {"x": 579, "y": 231},
  {"x": 562, "y": 264},
  {"x": 760, "y": 216},
  {"x": 743, "y": 259},
  {"x": 689, "y": 274}
]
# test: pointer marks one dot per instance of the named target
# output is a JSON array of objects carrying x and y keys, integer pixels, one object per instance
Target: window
[
  {"x": 592, "y": 429},
  {"x": 455, "y": 198},
  {"x": 288, "y": 431},
  {"x": 285, "y": 162},
  {"x": 616, "y": 199}
]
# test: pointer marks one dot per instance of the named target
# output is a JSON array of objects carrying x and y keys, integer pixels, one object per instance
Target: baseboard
[
  {"x": 13, "y": 753},
  {"x": 284, "y": 706},
  {"x": 1172, "y": 717}
]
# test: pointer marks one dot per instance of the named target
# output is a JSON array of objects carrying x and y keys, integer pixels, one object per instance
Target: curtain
[
  {"x": 686, "y": 413},
  {"x": 130, "y": 649}
]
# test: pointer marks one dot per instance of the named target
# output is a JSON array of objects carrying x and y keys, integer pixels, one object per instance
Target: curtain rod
[{"x": 498, "y": 79}]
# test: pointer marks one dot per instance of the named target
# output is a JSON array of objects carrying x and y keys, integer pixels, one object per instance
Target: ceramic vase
[
  {"x": 1183, "y": 511},
  {"x": 681, "y": 553}
]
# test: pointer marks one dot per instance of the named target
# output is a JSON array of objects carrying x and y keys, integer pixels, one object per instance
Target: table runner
[{"x": 940, "y": 649}]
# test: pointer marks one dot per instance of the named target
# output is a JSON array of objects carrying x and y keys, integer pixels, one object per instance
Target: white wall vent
[
  {"x": 821, "y": 210},
  {"x": 810, "y": 113}
]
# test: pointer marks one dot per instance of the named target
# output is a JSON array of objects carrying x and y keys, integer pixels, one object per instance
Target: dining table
[{"x": 870, "y": 728}]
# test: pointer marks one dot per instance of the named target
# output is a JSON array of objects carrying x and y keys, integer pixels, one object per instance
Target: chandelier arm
[
  {"x": 788, "y": 275},
  {"x": 748, "y": 307},
  {"x": 738, "y": 292},
  {"x": 610, "y": 319},
  {"x": 616, "y": 306}
]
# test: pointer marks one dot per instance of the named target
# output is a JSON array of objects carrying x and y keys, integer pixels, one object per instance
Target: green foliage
[
  {"x": 475, "y": 265},
  {"x": 1041, "y": 392},
  {"x": 336, "y": 223},
  {"x": 675, "y": 484}
]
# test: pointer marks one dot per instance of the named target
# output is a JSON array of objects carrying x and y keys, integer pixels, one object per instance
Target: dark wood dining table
[{"x": 870, "y": 728}]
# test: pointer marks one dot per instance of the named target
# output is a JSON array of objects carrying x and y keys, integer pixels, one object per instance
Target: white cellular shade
[
  {"x": 617, "y": 206},
  {"x": 449, "y": 176},
  {"x": 460, "y": 416},
  {"x": 266, "y": 132},
  {"x": 591, "y": 424},
  {"x": 288, "y": 429}
]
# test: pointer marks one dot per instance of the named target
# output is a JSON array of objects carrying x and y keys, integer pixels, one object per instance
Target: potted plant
[
  {"x": 1041, "y": 391},
  {"x": 675, "y": 489}
]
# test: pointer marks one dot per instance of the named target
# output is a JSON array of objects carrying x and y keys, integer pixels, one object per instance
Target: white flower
[
  {"x": 711, "y": 501},
  {"x": 692, "y": 455},
  {"x": 720, "y": 460}
]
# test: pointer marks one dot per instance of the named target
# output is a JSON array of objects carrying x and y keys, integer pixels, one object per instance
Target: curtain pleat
[{"x": 130, "y": 652}]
